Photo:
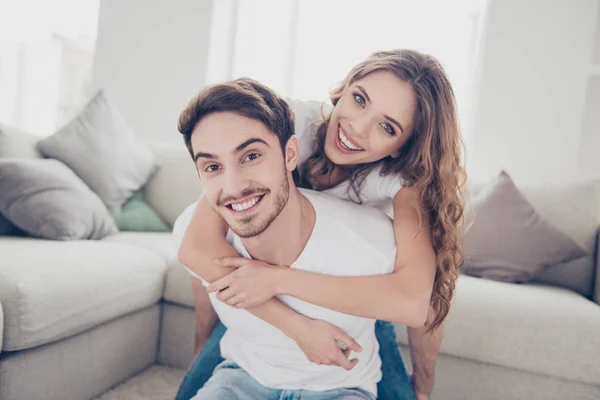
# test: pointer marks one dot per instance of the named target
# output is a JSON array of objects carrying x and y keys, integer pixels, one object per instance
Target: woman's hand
[
  {"x": 326, "y": 344},
  {"x": 253, "y": 283}
]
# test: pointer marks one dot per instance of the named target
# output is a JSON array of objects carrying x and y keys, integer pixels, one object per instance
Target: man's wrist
[{"x": 296, "y": 325}]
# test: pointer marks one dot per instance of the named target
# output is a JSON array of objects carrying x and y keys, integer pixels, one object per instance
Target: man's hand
[
  {"x": 253, "y": 283},
  {"x": 322, "y": 343}
]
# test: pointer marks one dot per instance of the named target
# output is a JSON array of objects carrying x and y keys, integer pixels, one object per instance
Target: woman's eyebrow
[
  {"x": 364, "y": 92},
  {"x": 392, "y": 120}
]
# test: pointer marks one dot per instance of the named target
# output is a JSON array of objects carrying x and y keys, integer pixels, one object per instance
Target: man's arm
[
  {"x": 206, "y": 317},
  {"x": 424, "y": 348}
]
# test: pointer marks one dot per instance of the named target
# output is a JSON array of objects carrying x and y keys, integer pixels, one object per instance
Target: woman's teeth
[
  {"x": 246, "y": 205},
  {"x": 346, "y": 142}
]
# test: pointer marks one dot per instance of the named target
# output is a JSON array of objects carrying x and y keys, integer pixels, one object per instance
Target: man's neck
[{"x": 283, "y": 241}]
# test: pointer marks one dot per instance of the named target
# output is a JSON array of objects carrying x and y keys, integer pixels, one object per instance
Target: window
[
  {"x": 46, "y": 58},
  {"x": 303, "y": 48}
]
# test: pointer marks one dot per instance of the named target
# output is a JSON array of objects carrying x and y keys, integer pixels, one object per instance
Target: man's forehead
[{"x": 223, "y": 132}]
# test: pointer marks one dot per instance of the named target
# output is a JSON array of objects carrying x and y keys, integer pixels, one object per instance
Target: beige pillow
[{"x": 509, "y": 240}]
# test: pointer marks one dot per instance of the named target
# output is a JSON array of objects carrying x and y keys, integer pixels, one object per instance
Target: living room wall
[
  {"x": 530, "y": 81},
  {"x": 151, "y": 58},
  {"x": 531, "y": 89}
]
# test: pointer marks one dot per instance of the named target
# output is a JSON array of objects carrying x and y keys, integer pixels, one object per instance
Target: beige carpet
[{"x": 156, "y": 383}]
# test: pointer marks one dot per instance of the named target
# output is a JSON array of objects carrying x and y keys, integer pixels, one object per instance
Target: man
[{"x": 241, "y": 137}]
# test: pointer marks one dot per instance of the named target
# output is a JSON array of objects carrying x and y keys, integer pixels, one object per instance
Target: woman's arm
[
  {"x": 204, "y": 240},
  {"x": 402, "y": 296}
]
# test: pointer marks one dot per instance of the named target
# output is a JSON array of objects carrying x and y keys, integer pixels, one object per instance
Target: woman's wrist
[{"x": 281, "y": 279}]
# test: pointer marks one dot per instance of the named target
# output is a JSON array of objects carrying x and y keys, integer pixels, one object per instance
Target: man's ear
[{"x": 292, "y": 156}]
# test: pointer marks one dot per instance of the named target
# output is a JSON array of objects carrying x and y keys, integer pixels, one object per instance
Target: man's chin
[{"x": 246, "y": 233}]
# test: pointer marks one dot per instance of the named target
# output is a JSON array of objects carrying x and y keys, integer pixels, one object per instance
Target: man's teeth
[
  {"x": 246, "y": 205},
  {"x": 346, "y": 142}
]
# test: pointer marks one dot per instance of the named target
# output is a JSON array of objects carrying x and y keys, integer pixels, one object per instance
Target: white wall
[
  {"x": 151, "y": 57},
  {"x": 532, "y": 86}
]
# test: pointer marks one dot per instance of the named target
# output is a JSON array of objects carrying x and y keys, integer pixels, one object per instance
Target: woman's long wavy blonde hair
[{"x": 430, "y": 160}]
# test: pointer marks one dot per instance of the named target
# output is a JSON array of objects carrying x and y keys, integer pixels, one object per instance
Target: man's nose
[{"x": 234, "y": 183}]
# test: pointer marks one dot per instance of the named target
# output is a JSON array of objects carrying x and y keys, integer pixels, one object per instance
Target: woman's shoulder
[{"x": 307, "y": 114}]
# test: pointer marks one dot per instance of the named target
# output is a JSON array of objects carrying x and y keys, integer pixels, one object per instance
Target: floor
[{"x": 156, "y": 383}]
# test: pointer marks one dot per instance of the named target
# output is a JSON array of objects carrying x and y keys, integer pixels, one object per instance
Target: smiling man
[{"x": 240, "y": 135}]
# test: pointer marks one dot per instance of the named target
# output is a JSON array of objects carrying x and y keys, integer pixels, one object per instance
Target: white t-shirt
[
  {"x": 378, "y": 191},
  {"x": 347, "y": 240}
]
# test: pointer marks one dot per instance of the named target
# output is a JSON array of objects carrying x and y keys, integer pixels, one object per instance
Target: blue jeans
[
  {"x": 230, "y": 382},
  {"x": 395, "y": 383}
]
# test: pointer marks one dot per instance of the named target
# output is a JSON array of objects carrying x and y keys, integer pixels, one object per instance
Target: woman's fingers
[{"x": 347, "y": 342}]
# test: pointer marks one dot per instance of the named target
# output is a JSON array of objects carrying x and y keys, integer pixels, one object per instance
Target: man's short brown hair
[{"x": 243, "y": 96}]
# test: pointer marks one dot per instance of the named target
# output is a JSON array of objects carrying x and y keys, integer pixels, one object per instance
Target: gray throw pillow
[
  {"x": 103, "y": 151},
  {"x": 14, "y": 143},
  {"x": 508, "y": 239},
  {"x": 47, "y": 200}
]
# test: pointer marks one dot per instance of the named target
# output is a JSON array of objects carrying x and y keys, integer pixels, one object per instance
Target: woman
[{"x": 392, "y": 140}]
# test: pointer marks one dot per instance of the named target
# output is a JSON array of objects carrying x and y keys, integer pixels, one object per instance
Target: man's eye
[
  {"x": 389, "y": 129},
  {"x": 252, "y": 157},
  {"x": 359, "y": 99},
  {"x": 211, "y": 168}
]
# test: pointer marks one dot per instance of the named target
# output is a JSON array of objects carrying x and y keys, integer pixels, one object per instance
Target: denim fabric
[
  {"x": 230, "y": 382},
  {"x": 394, "y": 385}
]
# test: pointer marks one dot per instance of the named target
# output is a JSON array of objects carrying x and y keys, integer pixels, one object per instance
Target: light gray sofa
[{"x": 78, "y": 317}]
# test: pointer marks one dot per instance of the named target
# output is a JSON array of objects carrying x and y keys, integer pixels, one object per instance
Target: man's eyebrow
[
  {"x": 392, "y": 120},
  {"x": 248, "y": 143},
  {"x": 203, "y": 155},
  {"x": 238, "y": 149}
]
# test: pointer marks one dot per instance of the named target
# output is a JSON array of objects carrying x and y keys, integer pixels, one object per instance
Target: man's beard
[{"x": 248, "y": 227}]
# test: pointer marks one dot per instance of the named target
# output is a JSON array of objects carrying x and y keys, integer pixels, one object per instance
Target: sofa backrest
[
  {"x": 175, "y": 185},
  {"x": 574, "y": 208}
]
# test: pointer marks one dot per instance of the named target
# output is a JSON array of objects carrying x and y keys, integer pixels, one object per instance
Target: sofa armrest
[
  {"x": 176, "y": 184},
  {"x": 597, "y": 270},
  {"x": 1, "y": 326}
]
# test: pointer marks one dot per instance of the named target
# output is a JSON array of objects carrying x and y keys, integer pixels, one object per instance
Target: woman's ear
[{"x": 292, "y": 156}]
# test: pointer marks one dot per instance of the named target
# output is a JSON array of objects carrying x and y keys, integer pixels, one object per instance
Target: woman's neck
[{"x": 333, "y": 178}]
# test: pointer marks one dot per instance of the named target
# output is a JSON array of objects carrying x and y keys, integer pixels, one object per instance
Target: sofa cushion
[
  {"x": 14, "y": 143},
  {"x": 531, "y": 327},
  {"x": 103, "y": 151},
  {"x": 178, "y": 288},
  {"x": 508, "y": 239},
  {"x": 176, "y": 184},
  {"x": 162, "y": 243},
  {"x": 574, "y": 208},
  {"x": 51, "y": 290},
  {"x": 47, "y": 200},
  {"x": 136, "y": 215}
]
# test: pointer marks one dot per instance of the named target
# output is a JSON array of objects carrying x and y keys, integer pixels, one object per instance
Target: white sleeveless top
[{"x": 339, "y": 246}]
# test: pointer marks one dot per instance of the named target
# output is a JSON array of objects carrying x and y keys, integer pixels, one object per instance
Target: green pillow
[{"x": 137, "y": 216}]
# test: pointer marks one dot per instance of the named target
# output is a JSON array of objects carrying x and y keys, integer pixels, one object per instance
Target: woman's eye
[
  {"x": 252, "y": 157},
  {"x": 359, "y": 99},
  {"x": 212, "y": 168},
  {"x": 389, "y": 129}
]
